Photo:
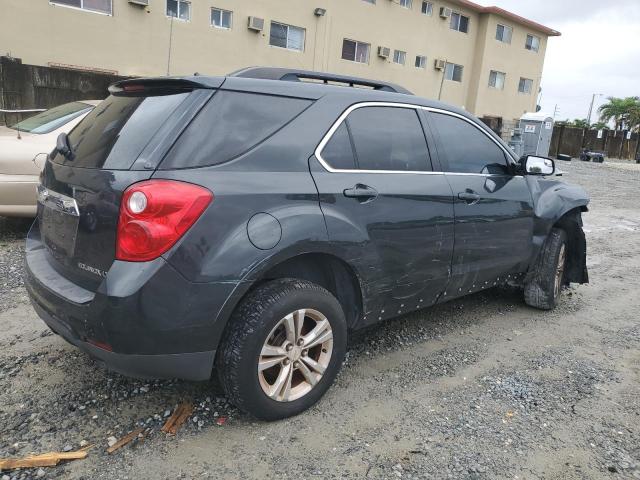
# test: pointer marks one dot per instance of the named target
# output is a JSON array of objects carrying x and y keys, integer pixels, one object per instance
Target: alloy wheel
[
  {"x": 562, "y": 260},
  {"x": 295, "y": 355}
]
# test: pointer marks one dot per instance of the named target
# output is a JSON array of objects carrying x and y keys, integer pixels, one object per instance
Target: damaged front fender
[{"x": 560, "y": 205}]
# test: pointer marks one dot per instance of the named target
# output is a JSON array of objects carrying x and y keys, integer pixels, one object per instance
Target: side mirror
[{"x": 539, "y": 165}]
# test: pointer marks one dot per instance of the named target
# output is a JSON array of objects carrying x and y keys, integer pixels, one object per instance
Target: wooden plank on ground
[
  {"x": 124, "y": 440},
  {"x": 179, "y": 416},
  {"x": 50, "y": 459}
]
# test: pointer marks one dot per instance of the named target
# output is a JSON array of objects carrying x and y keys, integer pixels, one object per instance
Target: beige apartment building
[{"x": 484, "y": 59}]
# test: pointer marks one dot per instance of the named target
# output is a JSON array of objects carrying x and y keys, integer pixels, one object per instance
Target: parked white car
[{"x": 23, "y": 151}]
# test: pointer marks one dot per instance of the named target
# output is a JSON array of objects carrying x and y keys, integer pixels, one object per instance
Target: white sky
[{"x": 598, "y": 52}]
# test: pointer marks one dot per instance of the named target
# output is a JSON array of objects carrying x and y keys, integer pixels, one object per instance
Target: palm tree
[
  {"x": 580, "y": 123},
  {"x": 623, "y": 111},
  {"x": 634, "y": 118}
]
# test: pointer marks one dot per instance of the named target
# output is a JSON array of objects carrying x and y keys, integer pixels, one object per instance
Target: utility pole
[
  {"x": 444, "y": 73},
  {"x": 555, "y": 112},
  {"x": 593, "y": 99},
  {"x": 170, "y": 44}
]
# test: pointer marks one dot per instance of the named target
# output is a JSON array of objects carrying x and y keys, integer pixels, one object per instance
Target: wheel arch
[
  {"x": 571, "y": 223},
  {"x": 569, "y": 220},
  {"x": 326, "y": 269}
]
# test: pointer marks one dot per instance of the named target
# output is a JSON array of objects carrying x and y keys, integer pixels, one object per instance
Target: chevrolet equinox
[{"x": 244, "y": 225}]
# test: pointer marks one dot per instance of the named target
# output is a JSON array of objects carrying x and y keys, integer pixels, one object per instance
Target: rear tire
[
  {"x": 275, "y": 325},
  {"x": 543, "y": 290}
]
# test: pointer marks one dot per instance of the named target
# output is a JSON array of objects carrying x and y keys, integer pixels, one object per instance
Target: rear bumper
[
  {"x": 153, "y": 322},
  {"x": 187, "y": 366},
  {"x": 18, "y": 195}
]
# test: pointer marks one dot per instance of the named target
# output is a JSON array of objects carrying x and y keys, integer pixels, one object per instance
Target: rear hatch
[{"x": 119, "y": 143}]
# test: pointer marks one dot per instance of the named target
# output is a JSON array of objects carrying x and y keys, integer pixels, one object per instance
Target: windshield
[{"x": 53, "y": 118}]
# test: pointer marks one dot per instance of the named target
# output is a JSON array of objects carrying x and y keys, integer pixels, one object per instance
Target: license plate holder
[{"x": 59, "y": 221}]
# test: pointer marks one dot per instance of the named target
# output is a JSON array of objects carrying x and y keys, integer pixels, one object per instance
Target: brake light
[{"x": 154, "y": 215}]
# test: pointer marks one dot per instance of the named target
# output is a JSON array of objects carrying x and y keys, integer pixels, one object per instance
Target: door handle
[
  {"x": 469, "y": 196},
  {"x": 363, "y": 193}
]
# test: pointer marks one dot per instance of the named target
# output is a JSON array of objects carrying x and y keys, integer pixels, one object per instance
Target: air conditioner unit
[
  {"x": 439, "y": 64},
  {"x": 143, "y": 3},
  {"x": 384, "y": 52},
  {"x": 445, "y": 12},
  {"x": 256, "y": 24}
]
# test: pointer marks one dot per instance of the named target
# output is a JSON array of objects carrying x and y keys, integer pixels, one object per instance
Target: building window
[
  {"x": 496, "y": 79},
  {"x": 453, "y": 72},
  {"x": 421, "y": 61},
  {"x": 221, "y": 18},
  {"x": 287, "y": 36},
  {"x": 532, "y": 43},
  {"x": 525, "y": 85},
  {"x": 504, "y": 33},
  {"x": 405, "y": 3},
  {"x": 179, "y": 9},
  {"x": 100, "y": 6},
  {"x": 427, "y": 8},
  {"x": 459, "y": 22},
  {"x": 399, "y": 57},
  {"x": 355, "y": 51}
]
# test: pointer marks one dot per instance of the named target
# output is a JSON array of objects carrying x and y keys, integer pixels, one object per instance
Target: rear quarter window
[
  {"x": 117, "y": 130},
  {"x": 231, "y": 124}
]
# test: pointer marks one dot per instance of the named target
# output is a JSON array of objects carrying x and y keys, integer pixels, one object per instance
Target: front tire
[
  {"x": 543, "y": 290},
  {"x": 282, "y": 349}
]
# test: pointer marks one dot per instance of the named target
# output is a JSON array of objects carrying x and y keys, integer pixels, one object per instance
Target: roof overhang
[{"x": 512, "y": 16}]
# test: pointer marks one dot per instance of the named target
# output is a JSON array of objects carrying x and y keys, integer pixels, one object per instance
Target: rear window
[
  {"x": 52, "y": 119},
  {"x": 117, "y": 130},
  {"x": 232, "y": 123}
]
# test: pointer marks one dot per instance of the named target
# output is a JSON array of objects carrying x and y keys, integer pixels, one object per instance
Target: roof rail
[{"x": 293, "y": 75}]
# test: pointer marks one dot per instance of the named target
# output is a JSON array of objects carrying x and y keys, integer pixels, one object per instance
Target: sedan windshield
[{"x": 52, "y": 119}]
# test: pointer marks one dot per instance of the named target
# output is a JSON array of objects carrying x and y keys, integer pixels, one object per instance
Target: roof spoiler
[
  {"x": 163, "y": 85},
  {"x": 292, "y": 75}
]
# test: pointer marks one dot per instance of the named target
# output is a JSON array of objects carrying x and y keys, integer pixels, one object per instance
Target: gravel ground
[{"x": 483, "y": 387}]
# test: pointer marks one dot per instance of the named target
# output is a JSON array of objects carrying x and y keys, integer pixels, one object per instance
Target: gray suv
[{"x": 244, "y": 225}]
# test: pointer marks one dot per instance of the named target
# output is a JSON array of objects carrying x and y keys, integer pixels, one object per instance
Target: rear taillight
[{"x": 154, "y": 215}]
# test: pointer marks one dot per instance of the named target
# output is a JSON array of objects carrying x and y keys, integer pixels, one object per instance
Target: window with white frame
[
  {"x": 399, "y": 57},
  {"x": 355, "y": 51},
  {"x": 525, "y": 85},
  {"x": 405, "y": 3},
  {"x": 459, "y": 22},
  {"x": 421, "y": 61},
  {"x": 100, "y": 6},
  {"x": 221, "y": 18},
  {"x": 427, "y": 8},
  {"x": 504, "y": 33},
  {"x": 453, "y": 72},
  {"x": 287, "y": 36},
  {"x": 180, "y": 9},
  {"x": 496, "y": 79},
  {"x": 532, "y": 43}
]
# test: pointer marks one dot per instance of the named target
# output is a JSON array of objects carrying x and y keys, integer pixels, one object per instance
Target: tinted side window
[
  {"x": 231, "y": 124},
  {"x": 467, "y": 149},
  {"x": 389, "y": 138},
  {"x": 117, "y": 130},
  {"x": 338, "y": 152}
]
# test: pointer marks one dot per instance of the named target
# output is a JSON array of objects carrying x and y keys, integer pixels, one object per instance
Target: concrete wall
[
  {"x": 144, "y": 41},
  {"x": 30, "y": 86}
]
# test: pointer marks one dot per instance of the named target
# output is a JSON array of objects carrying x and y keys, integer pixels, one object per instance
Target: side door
[
  {"x": 385, "y": 209},
  {"x": 493, "y": 207}
]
